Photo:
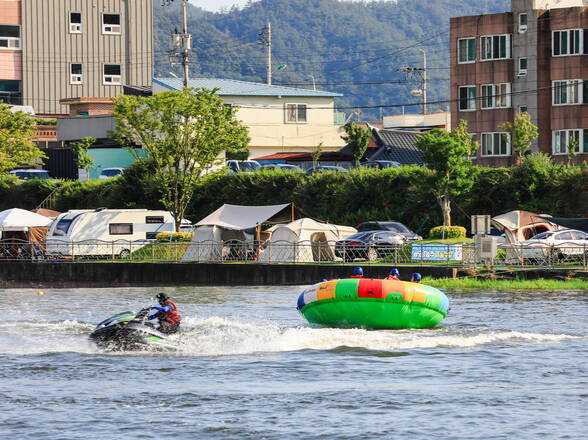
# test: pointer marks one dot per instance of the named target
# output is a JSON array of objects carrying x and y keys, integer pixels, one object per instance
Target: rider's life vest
[
  {"x": 356, "y": 276},
  {"x": 392, "y": 277},
  {"x": 172, "y": 316}
]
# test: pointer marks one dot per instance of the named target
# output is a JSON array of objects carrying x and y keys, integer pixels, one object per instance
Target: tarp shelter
[
  {"x": 19, "y": 225},
  {"x": 237, "y": 223},
  {"x": 580, "y": 223},
  {"x": 521, "y": 225},
  {"x": 16, "y": 219},
  {"x": 304, "y": 240}
]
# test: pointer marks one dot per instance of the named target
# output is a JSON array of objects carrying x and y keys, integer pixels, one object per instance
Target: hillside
[{"x": 352, "y": 48}]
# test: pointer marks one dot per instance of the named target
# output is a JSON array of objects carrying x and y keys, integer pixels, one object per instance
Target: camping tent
[
  {"x": 16, "y": 219},
  {"x": 303, "y": 240},
  {"x": 18, "y": 226},
  {"x": 521, "y": 225},
  {"x": 579, "y": 223},
  {"x": 241, "y": 225}
]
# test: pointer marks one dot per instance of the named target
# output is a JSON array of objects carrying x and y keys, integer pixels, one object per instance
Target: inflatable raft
[{"x": 374, "y": 304}]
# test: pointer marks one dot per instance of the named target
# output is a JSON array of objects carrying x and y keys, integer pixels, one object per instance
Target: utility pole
[
  {"x": 182, "y": 43},
  {"x": 265, "y": 39},
  {"x": 422, "y": 73}
]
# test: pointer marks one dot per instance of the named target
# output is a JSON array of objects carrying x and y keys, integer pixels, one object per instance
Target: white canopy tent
[
  {"x": 304, "y": 240},
  {"x": 16, "y": 219}
]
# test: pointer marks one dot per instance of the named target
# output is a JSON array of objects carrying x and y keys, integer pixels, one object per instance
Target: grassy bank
[{"x": 516, "y": 284}]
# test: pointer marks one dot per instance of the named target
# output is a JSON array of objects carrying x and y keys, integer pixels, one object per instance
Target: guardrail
[{"x": 569, "y": 255}]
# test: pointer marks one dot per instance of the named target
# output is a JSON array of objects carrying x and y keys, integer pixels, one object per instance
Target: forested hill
[{"x": 353, "y": 48}]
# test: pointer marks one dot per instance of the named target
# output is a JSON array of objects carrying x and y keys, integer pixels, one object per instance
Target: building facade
[
  {"x": 51, "y": 50},
  {"x": 533, "y": 59}
]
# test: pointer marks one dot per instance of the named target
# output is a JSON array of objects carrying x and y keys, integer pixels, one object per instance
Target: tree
[
  {"x": 446, "y": 154},
  {"x": 522, "y": 133},
  {"x": 16, "y": 147},
  {"x": 80, "y": 150},
  {"x": 316, "y": 154},
  {"x": 573, "y": 148},
  {"x": 357, "y": 139},
  {"x": 184, "y": 133}
]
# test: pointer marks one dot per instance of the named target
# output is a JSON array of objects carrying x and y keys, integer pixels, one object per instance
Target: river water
[{"x": 509, "y": 365}]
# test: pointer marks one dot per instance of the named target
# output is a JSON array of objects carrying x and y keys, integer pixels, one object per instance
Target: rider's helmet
[
  {"x": 394, "y": 272},
  {"x": 416, "y": 276},
  {"x": 358, "y": 271},
  {"x": 161, "y": 297}
]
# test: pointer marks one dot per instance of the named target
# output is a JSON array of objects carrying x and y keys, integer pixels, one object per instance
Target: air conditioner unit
[
  {"x": 76, "y": 79},
  {"x": 75, "y": 28},
  {"x": 522, "y": 74},
  {"x": 111, "y": 29},
  {"x": 112, "y": 79},
  {"x": 522, "y": 28}
]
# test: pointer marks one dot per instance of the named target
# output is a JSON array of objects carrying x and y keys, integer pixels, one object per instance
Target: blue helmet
[
  {"x": 416, "y": 276},
  {"x": 394, "y": 272},
  {"x": 358, "y": 271}
]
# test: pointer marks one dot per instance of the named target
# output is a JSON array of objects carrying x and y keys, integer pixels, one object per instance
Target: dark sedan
[
  {"x": 368, "y": 245},
  {"x": 395, "y": 227}
]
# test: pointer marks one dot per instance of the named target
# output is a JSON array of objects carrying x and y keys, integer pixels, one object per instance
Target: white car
[
  {"x": 107, "y": 173},
  {"x": 557, "y": 244}
]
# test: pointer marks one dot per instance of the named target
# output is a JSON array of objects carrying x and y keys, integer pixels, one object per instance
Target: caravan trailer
[{"x": 105, "y": 232}]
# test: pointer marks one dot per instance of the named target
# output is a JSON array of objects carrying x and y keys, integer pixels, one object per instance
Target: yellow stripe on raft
[{"x": 326, "y": 290}]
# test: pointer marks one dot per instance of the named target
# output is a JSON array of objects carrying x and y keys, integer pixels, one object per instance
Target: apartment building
[
  {"x": 56, "y": 49},
  {"x": 533, "y": 59}
]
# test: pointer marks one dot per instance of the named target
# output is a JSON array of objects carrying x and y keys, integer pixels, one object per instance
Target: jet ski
[{"x": 131, "y": 331}]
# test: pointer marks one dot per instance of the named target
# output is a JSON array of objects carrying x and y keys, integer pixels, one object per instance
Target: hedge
[{"x": 447, "y": 232}]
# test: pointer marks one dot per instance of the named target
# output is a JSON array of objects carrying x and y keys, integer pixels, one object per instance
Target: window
[
  {"x": 10, "y": 91},
  {"x": 563, "y": 138},
  {"x": 111, "y": 74},
  {"x": 9, "y": 37},
  {"x": 495, "y": 144},
  {"x": 495, "y": 96},
  {"x": 466, "y": 48},
  {"x": 495, "y": 47},
  {"x": 523, "y": 63},
  {"x": 153, "y": 219},
  {"x": 523, "y": 19},
  {"x": 120, "y": 228},
  {"x": 295, "y": 113},
  {"x": 567, "y": 92},
  {"x": 467, "y": 98},
  {"x": 75, "y": 74},
  {"x": 75, "y": 22},
  {"x": 111, "y": 23},
  {"x": 523, "y": 109},
  {"x": 567, "y": 42}
]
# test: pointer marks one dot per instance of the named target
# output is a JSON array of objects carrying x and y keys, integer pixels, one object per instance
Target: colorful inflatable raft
[{"x": 375, "y": 304}]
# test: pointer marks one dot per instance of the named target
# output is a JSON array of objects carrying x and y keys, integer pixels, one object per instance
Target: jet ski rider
[{"x": 168, "y": 314}]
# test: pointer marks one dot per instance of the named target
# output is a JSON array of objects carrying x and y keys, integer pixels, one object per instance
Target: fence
[{"x": 569, "y": 255}]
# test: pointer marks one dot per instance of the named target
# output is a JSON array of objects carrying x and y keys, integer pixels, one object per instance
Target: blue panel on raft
[{"x": 300, "y": 302}]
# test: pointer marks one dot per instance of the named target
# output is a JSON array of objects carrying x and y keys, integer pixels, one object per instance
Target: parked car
[
  {"x": 324, "y": 168},
  {"x": 368, "y": 245},
  {"x": 243, "y": 165},
  {"x": 556, "y": 244},
  {"x": 395, "y": 227},
  {"x": 281, "y": 166},
  {"x": 381, "y": 164},
  {"x": 107, "y": 173},
  {"x": 30, "y": 174}
]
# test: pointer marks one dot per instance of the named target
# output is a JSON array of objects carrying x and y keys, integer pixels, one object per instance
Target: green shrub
[
  {"x": 447, "y": 232},
  {"x": 175, "y": 236}
]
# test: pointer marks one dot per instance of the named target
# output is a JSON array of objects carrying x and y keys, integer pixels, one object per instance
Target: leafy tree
[
  {"x": 184, "y": 133},
  {"x": 522, "y": 133},
  {"x": 16, "y": 147},
  {"x": 316, "y": 154},
  {"x": 573, "y": 148},
  {"x": 446, "y": 154},
  {"x": 357, "y": 139},
  {"x": 80, "y": 150}
]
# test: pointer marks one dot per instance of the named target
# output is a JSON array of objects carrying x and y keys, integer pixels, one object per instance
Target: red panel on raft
[{"x": 369, "y": 289}]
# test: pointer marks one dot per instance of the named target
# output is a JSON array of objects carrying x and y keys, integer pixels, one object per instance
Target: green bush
[
  {"x": 447, "y": 232},
  {"x": 175, "y": 236}
]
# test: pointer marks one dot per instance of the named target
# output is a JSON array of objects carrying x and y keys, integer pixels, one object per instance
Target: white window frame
[
  {"x": 568, "y": 85},
  {"x": 580, "y": 48},
  {"x": 75, "y": 28},
  {"x": 496, "y": 96},
  {"x": 111, "y": 29},
  {"x": 297, "y": 104},
  {"x": 523, "y": 27},
  {"x": 483, "y": 38},
  {"x": 567, "y": 134},
  {"x": 12, "y": 42},
  {"x": 468, "y": 100},
  {"x": 459, "y": 40},
  {"x": 523, "y": 71},
  {"x": 75, "y": 78},
  {"x": 495, "y": 135},
  {"x": 115, "y": 80}
]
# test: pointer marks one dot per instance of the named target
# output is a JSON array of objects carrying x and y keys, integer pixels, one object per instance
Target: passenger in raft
[
  {"x": 167, "y": 313},
  {"x": 357, "y": 273},
  {"x": 416, "y": 278},
  {"x": 394, "y": 275}
]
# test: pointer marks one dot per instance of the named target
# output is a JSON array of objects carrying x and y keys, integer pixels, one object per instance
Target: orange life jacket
[
  {"x": 392, "y": 277},
  {"x": 172, "y": 316},
  {"x": 356, "y": 276}
]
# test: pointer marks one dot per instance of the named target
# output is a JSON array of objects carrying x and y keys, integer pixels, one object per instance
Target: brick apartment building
[
  {"x": 533, "y": 59},
  {"x": 56, "y": 49}
]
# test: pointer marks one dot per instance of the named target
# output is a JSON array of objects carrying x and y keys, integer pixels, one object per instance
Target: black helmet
[{"x": 161, "y": 297}]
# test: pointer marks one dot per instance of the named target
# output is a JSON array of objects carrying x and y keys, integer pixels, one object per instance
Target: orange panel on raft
[
  {"x": 369, "y": 288},
  {"x": 326, "y": 290},
  {"x": 413, "y": 293},
  {"x": 393, "y": 286}
]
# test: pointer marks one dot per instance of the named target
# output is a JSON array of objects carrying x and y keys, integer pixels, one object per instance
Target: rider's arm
[{"x": 162, "y": 309}]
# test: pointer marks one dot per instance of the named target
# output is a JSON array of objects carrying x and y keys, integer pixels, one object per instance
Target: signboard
[
  {"x": 481, "y": 224},
  {"x": 437, "y": 252}
]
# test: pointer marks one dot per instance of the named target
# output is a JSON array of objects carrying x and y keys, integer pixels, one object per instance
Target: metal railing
[{"x": 568, "y": 255}]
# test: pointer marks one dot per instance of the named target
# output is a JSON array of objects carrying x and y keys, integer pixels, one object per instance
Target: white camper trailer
[{"x": 105, "y": 232}]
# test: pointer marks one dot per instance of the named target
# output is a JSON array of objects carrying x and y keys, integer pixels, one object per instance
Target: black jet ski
[{"x": 131, "y": 331}]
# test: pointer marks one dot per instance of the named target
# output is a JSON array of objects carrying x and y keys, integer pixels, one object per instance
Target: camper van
[{"x": 105, "y": 232}]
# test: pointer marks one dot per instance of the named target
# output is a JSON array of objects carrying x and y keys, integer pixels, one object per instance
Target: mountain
[{"x": 353, "y": 48}]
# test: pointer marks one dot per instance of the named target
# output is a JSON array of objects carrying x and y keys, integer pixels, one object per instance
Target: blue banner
[{"x": 436, "y": 252}]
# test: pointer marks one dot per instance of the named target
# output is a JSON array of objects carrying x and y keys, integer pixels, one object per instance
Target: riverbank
[{"x": 507, "y": 285}]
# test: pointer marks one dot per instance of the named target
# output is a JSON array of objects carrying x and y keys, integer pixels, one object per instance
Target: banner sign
[{"x": 437, "y": 252}]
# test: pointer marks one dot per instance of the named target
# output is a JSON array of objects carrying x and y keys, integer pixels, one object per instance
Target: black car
[
  {"x": 368, "y": 245},
  {"x": 396, "y": 227}
]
